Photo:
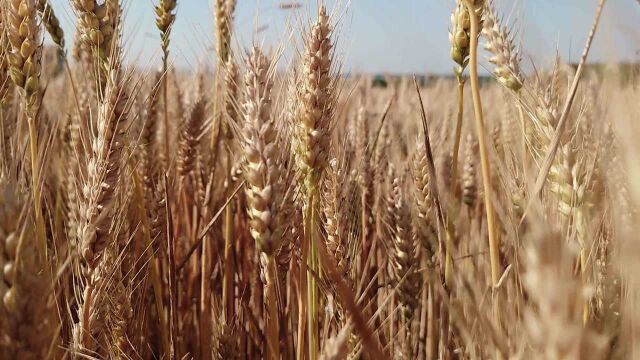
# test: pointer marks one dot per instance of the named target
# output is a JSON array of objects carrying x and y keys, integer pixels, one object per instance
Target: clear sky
[{"x": 397, "y": 36}]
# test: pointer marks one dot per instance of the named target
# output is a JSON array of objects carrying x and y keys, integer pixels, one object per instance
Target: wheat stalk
[
  {"x": 100, "y": 190},
  {"x": 266, "y": 185},
  {"x": 313, "y": 139},
  {"x": 24, "y": 68},
  {"x": 494, "y": 243},
  {"x": 165, "y": 16},
  {"x": 223, "y": 17}
]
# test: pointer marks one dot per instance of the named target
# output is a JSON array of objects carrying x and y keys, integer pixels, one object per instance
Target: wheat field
[{"x": 272, "y": 207}]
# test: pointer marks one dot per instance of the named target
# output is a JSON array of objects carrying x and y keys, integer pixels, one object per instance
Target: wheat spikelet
[
  {"x": 51, "y": 22},
  {"x": 334, "y": 202},
  {"x": 96, "y": 26},
  {"x": 72, "y": 204},
  {"x": 381, "y": 181},
  {"x": 404, "y": 253},
  {"x": 100, "y": 314},
  {"x": 444, "y": 163},
  {"x": 380, "y": 155},
  {"x": 265, "y": 191},
  {"x": 152, "y": 182},
  {"x": 190, "y": 138},
  {"x": 165, "y": 16},
  {"x": 104, "y": 169},
  {"x": 469, "y": 180},
  {"x": 311, "y": 143},
  {"x": 496, "y": 140},
  {"x": 117, "y": 321},
  {"x": 362, "y": 148},
  {"x": 150, "y": 116},
  {"x": 24, "y": 59},
  {"x": 148, "y": 162},
  {"x": 223, "y": 15},
  {"x": 460, "y": 33},
  {"x": 156, "y": 211},
  {"x": 509, "y": 129},
  {"x": 266, "y": 185},
  {"x": 459, "y": 37},
  {"x": 99, "y": 209},
  {"x": 567, "y": 178},
  {"x": 424, "y": 203},
  {"x": 231, "y": 82},
  {"x": 504, "y": 54},
  {"x": 317, "y": 96},
  {"x": 365, "y": 179}
]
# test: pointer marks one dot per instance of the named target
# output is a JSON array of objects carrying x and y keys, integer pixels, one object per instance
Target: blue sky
[{"x": 398, "y": 36}]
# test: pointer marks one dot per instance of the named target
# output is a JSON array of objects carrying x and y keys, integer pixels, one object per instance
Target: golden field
[{"x": 275, "y": 209}]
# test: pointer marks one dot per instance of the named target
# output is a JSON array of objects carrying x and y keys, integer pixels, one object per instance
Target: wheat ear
[
  {"x": 51, "y": 23},
  {"x": 96, "y": 27},
  {"x": 24, "y": 68},
  {"x": 99, "y": 191},
  {"x": 505, "y": 56},
  {"x": 165, "y": 17},
  {"x": 6, "y": 90}
]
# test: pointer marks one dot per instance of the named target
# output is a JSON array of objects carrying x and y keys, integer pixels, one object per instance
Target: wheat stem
[
  {"x": 312, "y": 286},
  {"x": 273, "y": 332},
  {"x": 454, "y": 184},
  {"x": 35, "y": 184},
  {"x": 154, "y": 271},
  {"x": 494, "y": 244}
]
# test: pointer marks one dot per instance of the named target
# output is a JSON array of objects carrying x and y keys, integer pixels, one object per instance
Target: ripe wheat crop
[{"x": 275, "y": 208}]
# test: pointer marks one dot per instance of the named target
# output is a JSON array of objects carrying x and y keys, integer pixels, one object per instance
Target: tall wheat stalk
[
  {"x": 266, "y": 184},
  {"x": 223, "y": 16},
  {"x": 165, "y": 17},
  {"x": 312, "y": 142},
  {"x": 473, "y": 7},
  {"x": 23, "y": 29},
  {"x": 459, "y": 38}
]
